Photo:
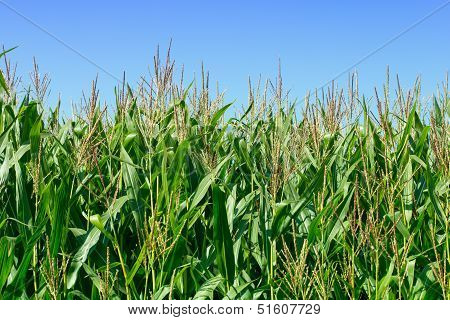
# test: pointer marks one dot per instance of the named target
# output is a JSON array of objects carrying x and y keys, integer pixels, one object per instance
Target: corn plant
[{"x": 164, "y": 196}]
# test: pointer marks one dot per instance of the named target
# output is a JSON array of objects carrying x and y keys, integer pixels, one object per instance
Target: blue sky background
[{"x": 315, "y": 41}]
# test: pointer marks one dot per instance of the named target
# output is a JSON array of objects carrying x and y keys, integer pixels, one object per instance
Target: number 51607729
[{"x": 288, "y": 308}]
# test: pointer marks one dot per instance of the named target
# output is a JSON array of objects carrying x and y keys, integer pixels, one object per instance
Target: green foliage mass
[{"x": 168, "y": 198}]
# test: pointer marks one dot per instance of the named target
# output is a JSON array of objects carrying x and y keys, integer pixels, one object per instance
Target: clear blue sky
[{"x": 315, "y": 40}]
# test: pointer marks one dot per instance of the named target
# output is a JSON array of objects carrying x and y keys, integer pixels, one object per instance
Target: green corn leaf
[
  {"x": 222, "y": 236},
  {"x": 6, "y": 259},
  {"x": 206, "y": 291}
]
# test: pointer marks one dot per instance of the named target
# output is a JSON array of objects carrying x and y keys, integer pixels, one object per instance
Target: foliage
[{"x": 168, "y": 198}]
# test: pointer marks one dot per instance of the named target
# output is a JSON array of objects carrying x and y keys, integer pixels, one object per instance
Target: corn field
[{"x": 165, "y": 196}]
